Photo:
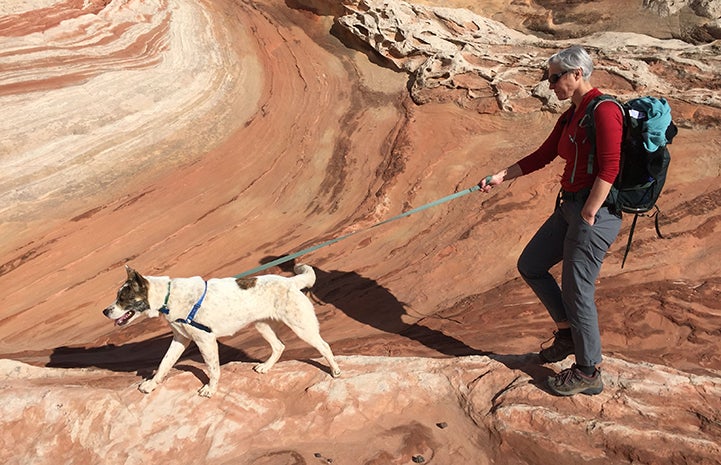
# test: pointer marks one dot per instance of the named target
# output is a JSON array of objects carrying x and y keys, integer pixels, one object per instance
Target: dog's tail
[{"x": 304, "y": 276}]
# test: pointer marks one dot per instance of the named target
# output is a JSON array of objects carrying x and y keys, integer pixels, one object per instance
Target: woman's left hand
[{"x": 588, "y": 217}]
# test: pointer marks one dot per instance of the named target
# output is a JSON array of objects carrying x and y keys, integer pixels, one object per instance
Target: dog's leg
[
  {"x": 321, "y": 346},
  {"x": 208, "y": 346},
  {"x": 276, "y": 347},
  {"x": 176, "y": 349},
  {"x": 310, "y": 333}
]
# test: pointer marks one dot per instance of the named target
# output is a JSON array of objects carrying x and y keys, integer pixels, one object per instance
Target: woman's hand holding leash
[
  {"x": 492, "y": 180},
  {"x": 487, "y": 183}
]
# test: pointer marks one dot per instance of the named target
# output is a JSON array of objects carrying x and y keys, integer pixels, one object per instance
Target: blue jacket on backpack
[{"x": 658, "y": 113}]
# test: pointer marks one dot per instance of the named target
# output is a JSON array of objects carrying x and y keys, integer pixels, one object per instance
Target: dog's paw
[
  {"x": 147, "y": 386},
  {"x": 206, "y": 391},
  {"x": 262, "y": 368}
]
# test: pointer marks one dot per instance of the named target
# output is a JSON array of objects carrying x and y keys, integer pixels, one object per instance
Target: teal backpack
[{"x": 647, "y": 130}]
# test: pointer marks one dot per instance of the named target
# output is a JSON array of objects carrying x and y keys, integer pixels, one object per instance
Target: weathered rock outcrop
[
  {"x": 484, "y": 410},
  {"x": 706, "y": 8},
  {"x": 457, "y": 55}
]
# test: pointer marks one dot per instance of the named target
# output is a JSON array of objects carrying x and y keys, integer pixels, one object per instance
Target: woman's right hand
[{"x": 490, "y": 181}]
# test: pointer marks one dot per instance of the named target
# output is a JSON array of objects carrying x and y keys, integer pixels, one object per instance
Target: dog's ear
[
  {"x": 133, "y": 275},
  {"x": 137, "y": 280}
]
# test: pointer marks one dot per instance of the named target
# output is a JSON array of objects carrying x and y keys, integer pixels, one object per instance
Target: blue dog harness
[{"x": 190, "y": 319}]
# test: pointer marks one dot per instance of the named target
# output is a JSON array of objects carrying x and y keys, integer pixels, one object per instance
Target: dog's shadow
[{"x": 141, "y": 357}]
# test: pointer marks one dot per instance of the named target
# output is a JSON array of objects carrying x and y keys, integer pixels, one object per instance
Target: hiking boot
[
  {"x": 573, "y": 381},
  {"x": 561, "y": 348}
]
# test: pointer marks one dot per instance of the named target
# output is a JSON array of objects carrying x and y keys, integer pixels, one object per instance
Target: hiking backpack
[{"x": 647, "y": 129}]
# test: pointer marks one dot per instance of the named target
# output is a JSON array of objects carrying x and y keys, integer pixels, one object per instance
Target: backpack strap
[
  {"x": 655, "y": 214},
  {"x": 589, "y": 122},
  {"x": 630, "y": 236}
]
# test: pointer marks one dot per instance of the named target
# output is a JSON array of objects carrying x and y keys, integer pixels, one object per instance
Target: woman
[{"x": 581, "y": 229}]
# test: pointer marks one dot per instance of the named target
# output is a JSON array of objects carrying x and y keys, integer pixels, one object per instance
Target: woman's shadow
[{"x": 367, "y": 302}]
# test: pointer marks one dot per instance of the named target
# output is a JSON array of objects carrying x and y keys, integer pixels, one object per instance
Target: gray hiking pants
[{"x": 566, "y": 237}]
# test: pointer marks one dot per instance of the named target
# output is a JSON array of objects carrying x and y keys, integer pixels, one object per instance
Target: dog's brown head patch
[
  {"x": 133, "y": 295},
  {"x": 132, "y": 299},
  {"x": 245, "y": 283}
]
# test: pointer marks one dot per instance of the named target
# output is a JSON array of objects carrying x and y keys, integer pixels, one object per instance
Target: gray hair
[{"x": 575, "y": 57}]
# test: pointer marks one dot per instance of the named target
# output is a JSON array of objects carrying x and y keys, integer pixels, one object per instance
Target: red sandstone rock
[
  {"x": 383, "y": 410},
  {"x": 186, "y": 138}
]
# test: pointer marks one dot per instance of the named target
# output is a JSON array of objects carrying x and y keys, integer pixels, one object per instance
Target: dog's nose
[{"x": 107, "y": 311}]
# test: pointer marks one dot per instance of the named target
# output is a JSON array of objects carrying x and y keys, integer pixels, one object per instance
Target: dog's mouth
[{"x": 123, "y": 320}]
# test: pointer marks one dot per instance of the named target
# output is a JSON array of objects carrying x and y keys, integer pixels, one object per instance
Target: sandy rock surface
[
  {"x": 203, "y": 138},
  {"x": 484, "y": 410}
]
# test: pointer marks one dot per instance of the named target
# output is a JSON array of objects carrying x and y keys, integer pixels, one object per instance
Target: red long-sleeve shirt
[{"x": 569, "y": 141}]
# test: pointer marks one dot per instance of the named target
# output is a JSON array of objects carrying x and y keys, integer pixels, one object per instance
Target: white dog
[{"x": 201, "y": 311}]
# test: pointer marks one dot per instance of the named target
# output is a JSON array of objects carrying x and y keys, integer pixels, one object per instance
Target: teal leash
[{"x": 308, "y": 250}]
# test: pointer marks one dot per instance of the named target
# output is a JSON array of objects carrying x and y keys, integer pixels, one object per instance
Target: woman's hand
[
  {"x": 492, "y": 180},
  {"x": 488, "y": 182},
  {"x": 588, "y": 217},
  {"x": 595, "y": 200}
]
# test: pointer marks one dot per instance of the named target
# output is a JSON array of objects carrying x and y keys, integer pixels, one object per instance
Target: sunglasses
[{"x": 554, "y": 78}]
